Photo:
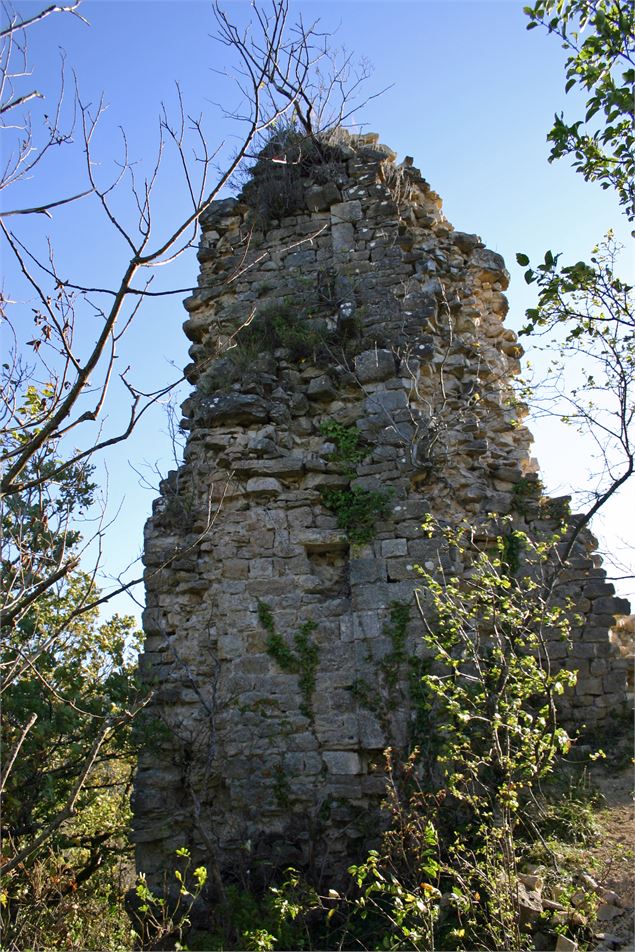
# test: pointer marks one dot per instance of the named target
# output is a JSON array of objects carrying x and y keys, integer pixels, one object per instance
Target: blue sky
[{"x": 472, "y": 95}]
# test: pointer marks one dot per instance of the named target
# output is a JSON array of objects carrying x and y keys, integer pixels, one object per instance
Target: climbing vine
[
  {"x": 301, "y": 660},
  {"x": 384, "y": 696}
]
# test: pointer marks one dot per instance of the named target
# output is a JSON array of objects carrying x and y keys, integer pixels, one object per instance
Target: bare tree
[{"x": 57, "y": 385}]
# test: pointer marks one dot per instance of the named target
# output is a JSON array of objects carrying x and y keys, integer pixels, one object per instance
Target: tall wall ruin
[{"x": 333, "y": 292}]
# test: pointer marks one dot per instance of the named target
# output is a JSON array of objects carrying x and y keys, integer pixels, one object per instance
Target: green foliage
[
  {"x": 81, "y": 683},
  {"x": 276, "y": 326},
  {"x": 399, "y": 914},
  {"x": 589, "y": 306},
  {"x": 357, "y": 510},
  {"x": 68, "y": 688},
  {"x": 488, "y": 628},
  {"x": 349, "y": 450},
  {"x": 512, "y": 544},
  {"x": 566, "y": 810},
  {"x": 445, "y": 872},
  {"x": 490, "y": 633},
  {"x": 57, "y": 910},
  {"x": 599, "y": 35},
  {"x": 301, "y": 660},
  {"x": 587, "y": 299},
  {"x": 445, "y": 875}
]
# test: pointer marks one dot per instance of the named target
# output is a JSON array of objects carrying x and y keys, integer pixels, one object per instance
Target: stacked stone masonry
[{"x": 395, "y": 328}]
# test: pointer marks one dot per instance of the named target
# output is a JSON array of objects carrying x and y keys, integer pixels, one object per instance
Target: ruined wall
[{"x": 333, "y": 291}]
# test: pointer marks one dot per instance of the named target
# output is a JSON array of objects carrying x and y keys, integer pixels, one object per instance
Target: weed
[
  {"x": 275, "y": 188},
  {"x": 279, "y": 326},
  {"x": 349, "y": 451},
  {"x": 396, "y": 630},
  {"x": 383, "y": 696},
  {"x": 357, "y": 510},
  {"x": 158, "y": 918},
  {"x": 246, "y": 920}
]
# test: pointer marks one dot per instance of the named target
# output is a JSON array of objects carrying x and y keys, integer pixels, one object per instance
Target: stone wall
[{"x": 332, "y": 293}]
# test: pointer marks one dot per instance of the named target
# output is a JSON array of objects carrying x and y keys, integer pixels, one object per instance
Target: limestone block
[
  {"x": 370, "y": 597},
  {"x": 366, "y": 624},
  {"x": 401, "y": 570},
  {"x": 300, "y": 259},
  {"x": 466, "y": 242},
  {"x": 600, "y": 621},
  {"x": 281, "y": 466},
  {"x": 320, "y": 197},
  {"x": 611, "y": 605},
  {"x": 229, "y": 646},
  {"x": 261, "y": 568},
  {"x": 386, "y": 401},
  {"x": 321, "y": 540},
  {"x": 367, "y": 570},
  {"x": 374, "y": 365},
  {"x": 558, "y": 650},
  {"x": 238, "y": 408},
  {"x": 490, "y": 266},
  {"x": 343, "y": 237},
  {"x": 321, "y": 388},
  {"x": 589, "y": 686},
  {"x": 371, "y": 734},
  {"x": 342, "y": 762},
  {"x": 394, "y": 547},
  {"x": 564, "y": 944},
  {"x": 264, "y": 484},
  {"x": 614, "y": 681},
  {"x": 346, "y": 212}
]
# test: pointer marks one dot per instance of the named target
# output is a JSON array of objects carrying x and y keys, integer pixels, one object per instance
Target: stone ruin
[{"x": 333, "y": 293}]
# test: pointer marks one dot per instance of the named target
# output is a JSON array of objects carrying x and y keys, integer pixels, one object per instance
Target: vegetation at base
[
  {"x": 301, "y": 660},
  {"x": 491, "y": 798},
  {"x": 161, "y": 920},
  {"x": 357, "y": 511}
]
